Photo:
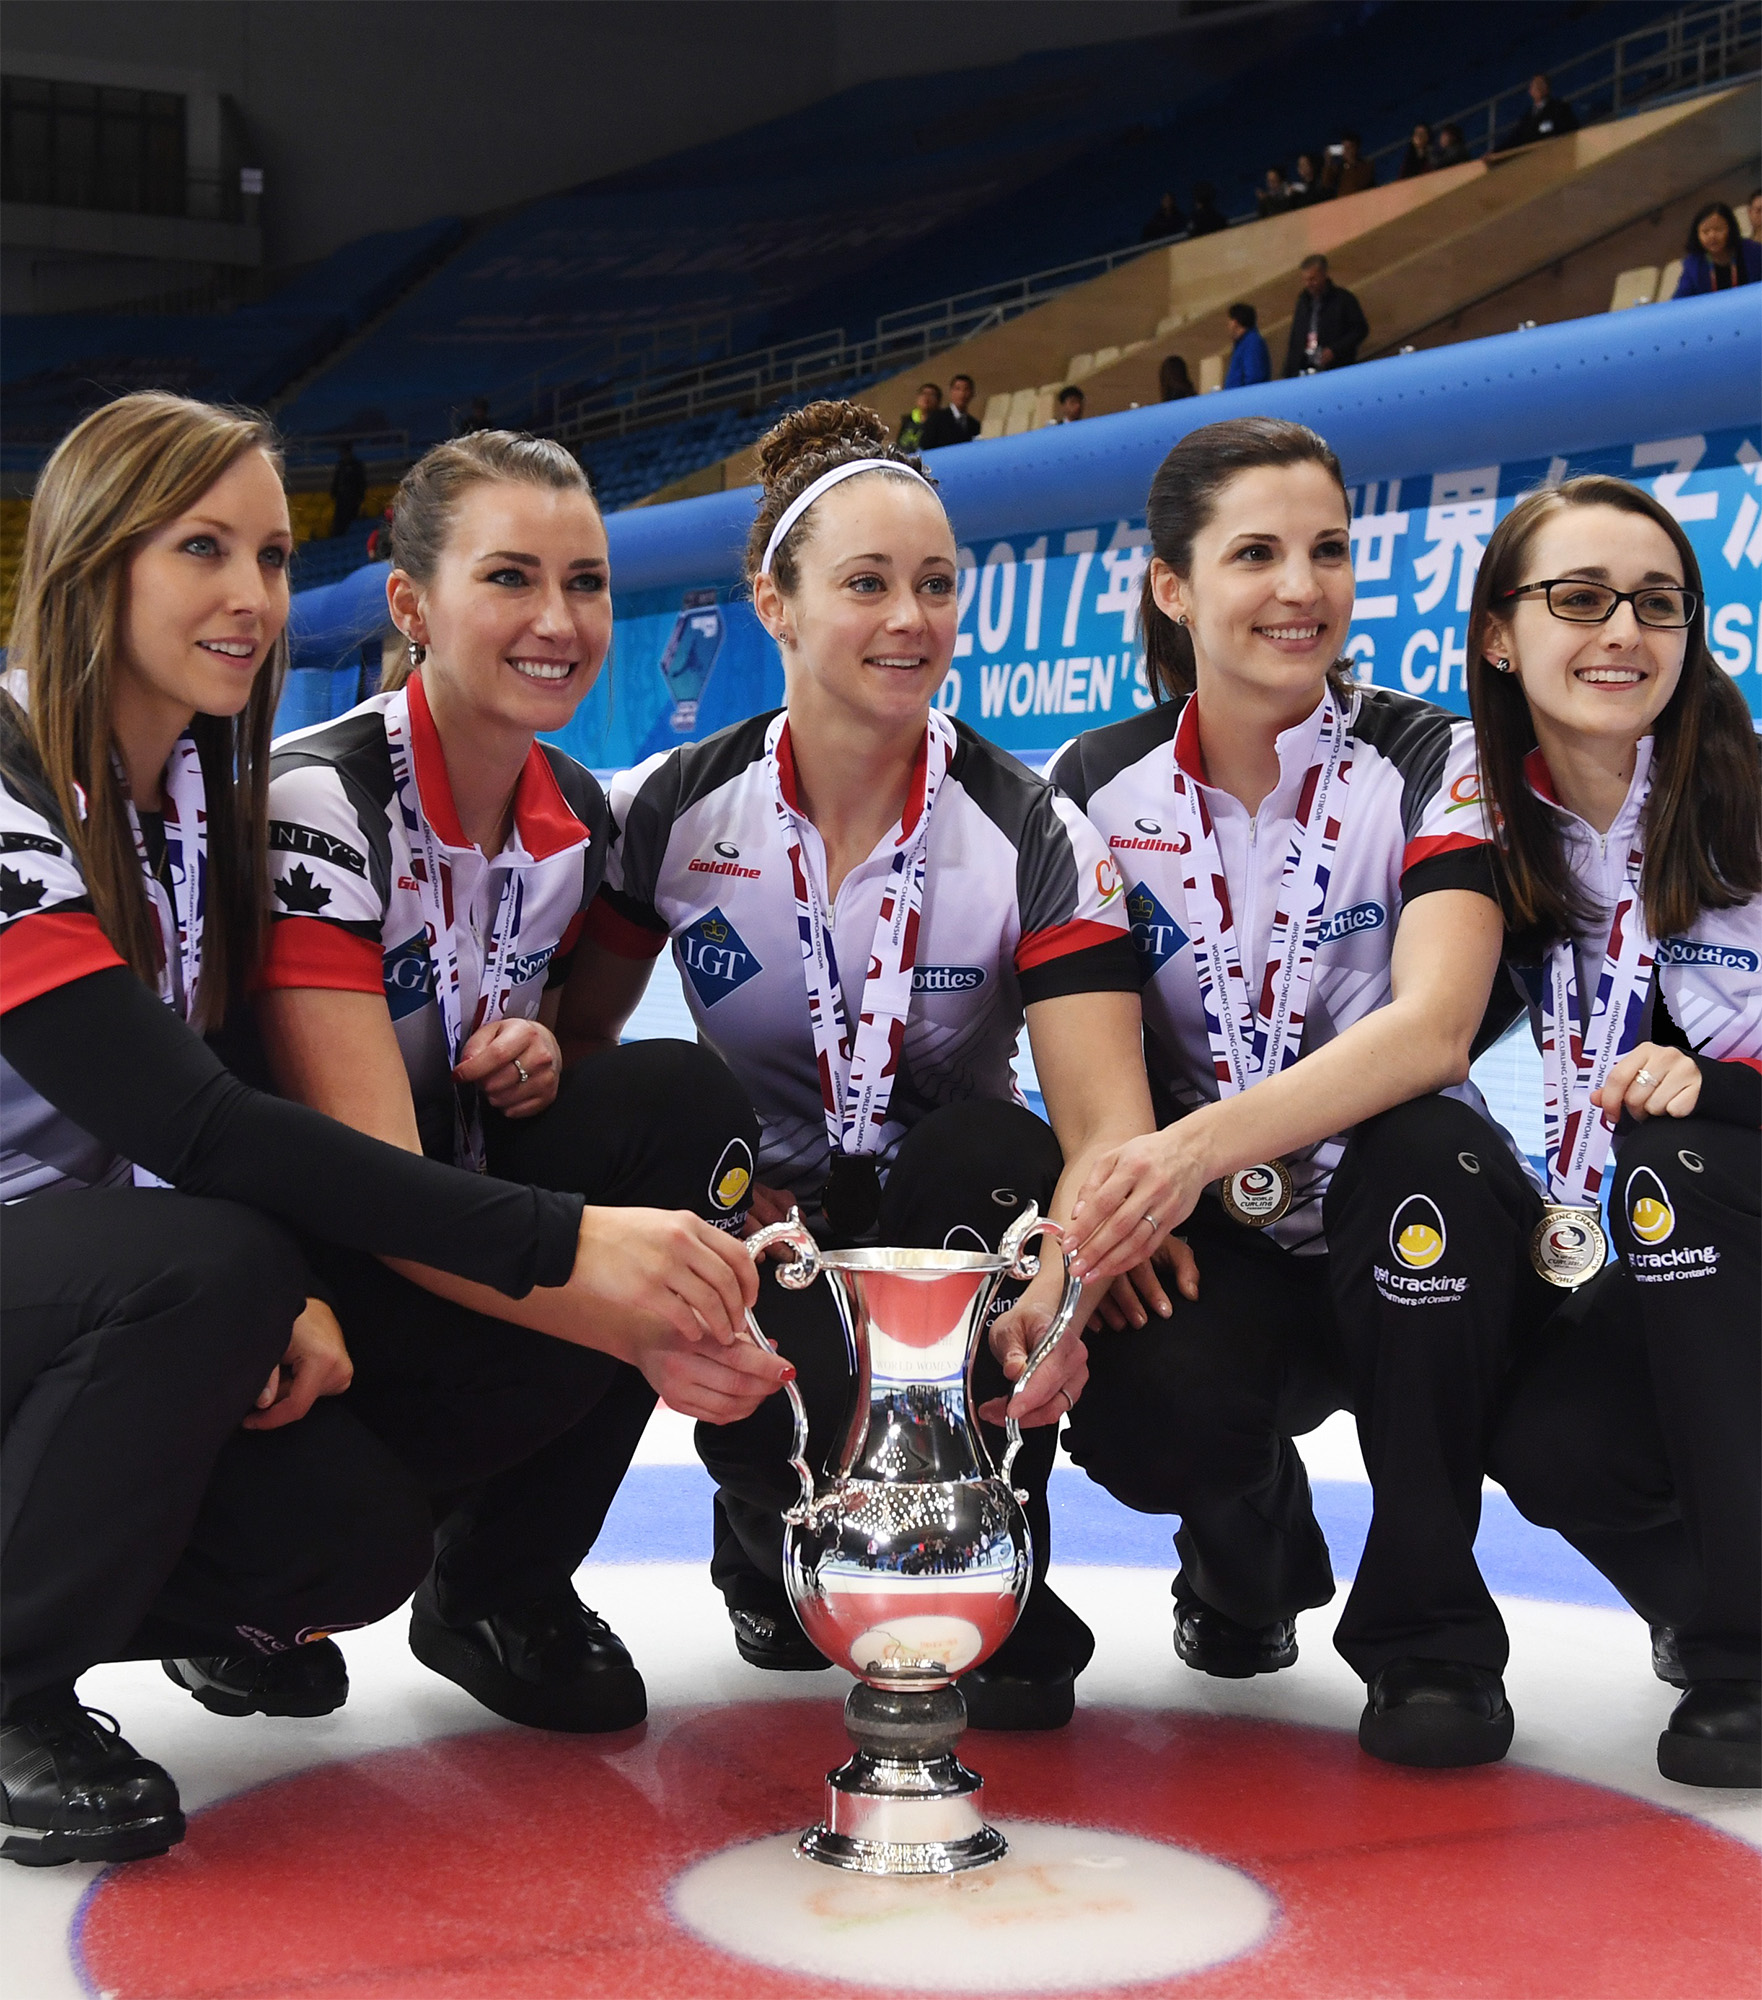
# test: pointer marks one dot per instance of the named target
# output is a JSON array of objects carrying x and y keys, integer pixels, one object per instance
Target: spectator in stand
[
  {"x": 1207, "y": 217},
  {"x": 348, "y": 488},
  {"x": 1275, "y": 193},
  {"x": 1716, "y": 258},
  {"x": 1755, "y": 207},
  {"x": 1166, "y": 222},
  {"x": 918, "y": 420},
  {"x": 1306, "y": 183},
  {"x": 1327, "y": 324},
  {"x": 1421, "y": 155},
  {"x": 1174, "y": 381},
  {"x": 1070, "y": 404},
  {"x": 475, "y": 419},
  {"x": 1549, "y": 117},
  {"x": 1451, "y": 149},
  {"x": 1249, "y": 360},
  {"x": 1348, "y": 171},
  {"x": 379, "y": 543},
  {"x": 955, "y": 422}
]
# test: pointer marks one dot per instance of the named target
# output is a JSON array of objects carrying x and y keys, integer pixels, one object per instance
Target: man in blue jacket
[{"x": 1249, "y": 360}]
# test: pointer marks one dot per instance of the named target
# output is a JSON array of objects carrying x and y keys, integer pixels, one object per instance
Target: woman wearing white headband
[{"x": 864, "y": 899}]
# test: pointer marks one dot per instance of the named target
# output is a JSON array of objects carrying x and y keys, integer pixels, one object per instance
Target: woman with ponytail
[
  {"x": 1620, "y": 768},
  {"x": 1318, "y": 934},
  {"x": 874, "y": 1031},
  {"x": 183, "y": 1475}
]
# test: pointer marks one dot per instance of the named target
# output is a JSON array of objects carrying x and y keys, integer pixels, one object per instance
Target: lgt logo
[
  {"x": 1154, "y": 932},
  {"x": 715, "y": 958}
]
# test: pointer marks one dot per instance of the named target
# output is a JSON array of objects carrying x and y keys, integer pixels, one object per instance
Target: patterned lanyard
[
  {"x": 186, "y": 862},
  {"x": 856, "y": 1082},
  {"x": 1276, "y": 1014},
  {"x": 1577, "y": 1063},
  {"x": 433, "y": 876}
]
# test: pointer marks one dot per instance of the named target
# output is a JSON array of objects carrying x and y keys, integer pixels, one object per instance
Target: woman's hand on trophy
[
  {"x": 717, "y": 1385},
  {"x": 769, "y": 1205},
  {"x": 515, "y": 1063},
  {"x": 1058, "y": 1381},
  {"x": 1145, "y": 1288},
  {"x": 1135, "y": 1194},
  {"x": 669, "y": 1263}
]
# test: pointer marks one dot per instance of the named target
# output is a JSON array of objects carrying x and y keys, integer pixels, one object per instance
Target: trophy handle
[
  {"x": 795, "y": 1276},
  {"x": 1022, "y": 1265}
]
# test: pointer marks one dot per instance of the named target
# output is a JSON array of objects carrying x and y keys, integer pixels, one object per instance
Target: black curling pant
[
  {"x": 138, "y": 1328},
  {"x": 1429, "y": 1219},
  {"x": 1634, "y": 1424},
  {"x": 1195, "y": 1415},
  {"x": 960, "y": 1178},
  {"x": 520, "y": 1439}
]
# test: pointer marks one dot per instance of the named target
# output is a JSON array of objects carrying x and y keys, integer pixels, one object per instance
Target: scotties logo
[
  {"x": 1416, "y": 1234},
  {"x": 715, "y": 958},
  {"x": 732, "y": 1175},
  {"x": 1344, "y": 923},
  {"x": 1649, "y": 1213},
  {"x": 947, "y": 978},
  {"x": 1154, "y": 932},
  {"x": 1702, "y": 951}
]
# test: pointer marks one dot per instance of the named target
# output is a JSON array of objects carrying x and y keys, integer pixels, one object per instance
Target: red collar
[
  {"x": 1541, "y": 779},
  {"x": 914, "y": 804},
  {"x": 1189, "y": 752},
  {"x": 542, "y": 817}
]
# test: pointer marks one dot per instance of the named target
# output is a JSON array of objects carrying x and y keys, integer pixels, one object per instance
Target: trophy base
[{"x": 904, "y": 1804}]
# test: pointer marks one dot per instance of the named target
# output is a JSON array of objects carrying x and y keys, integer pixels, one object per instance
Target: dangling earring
[{"x": 414, "y": 651}]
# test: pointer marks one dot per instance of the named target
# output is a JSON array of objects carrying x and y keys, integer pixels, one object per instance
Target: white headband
[{"x": 809, "y": 494}]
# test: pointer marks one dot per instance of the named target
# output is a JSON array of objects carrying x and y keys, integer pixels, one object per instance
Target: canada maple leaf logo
[
  {"x": 299, "y": 892},
  {"x": 18, "y": 892}
]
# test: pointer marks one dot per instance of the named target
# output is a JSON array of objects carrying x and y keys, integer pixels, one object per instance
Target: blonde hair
[
  {"x": 429, "y": 495},
  {"x": 122, "y": 473}
]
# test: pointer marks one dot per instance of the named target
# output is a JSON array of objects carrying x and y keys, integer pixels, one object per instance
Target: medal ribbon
[
  {"x": 186, "y": 862},
  {"x": 856, "y": 1079},
  {"x": 433, "y": 875},
  {"x": 1577, "y": 1062},
  {"x": 1274, "y": 1036}
]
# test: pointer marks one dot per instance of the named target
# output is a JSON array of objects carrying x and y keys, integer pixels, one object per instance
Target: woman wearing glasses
[{"x": 1619, "y": 763}]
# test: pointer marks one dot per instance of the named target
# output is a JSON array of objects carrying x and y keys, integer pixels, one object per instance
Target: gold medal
[
  {"x": 1257, "y": 1196},
  {"x": 1568, "y": 1247}
]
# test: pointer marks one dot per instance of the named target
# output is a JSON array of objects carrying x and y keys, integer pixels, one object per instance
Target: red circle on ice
[{"x": 532, "y": 1867}]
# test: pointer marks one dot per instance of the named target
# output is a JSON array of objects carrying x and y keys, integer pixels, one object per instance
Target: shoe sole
[
  {"x": 805, "y": 1659},
  {"x": 620, "y": 1701},
  {"x": 1231, "y": 1666},
  {"x": 1431, "y": 1736},
  {"x": 218, "y": 1702},
  {"x": 1704, "y": 1760},
  {"x": 139, "y": 1840},
  {"x": 1021, "y": 1704}
]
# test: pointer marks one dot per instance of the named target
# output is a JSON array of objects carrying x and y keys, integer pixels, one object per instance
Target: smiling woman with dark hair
[{"x": 1716, "y": 257}]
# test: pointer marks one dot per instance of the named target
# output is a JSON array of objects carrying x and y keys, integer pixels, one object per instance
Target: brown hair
[
  {"x": 429, "y": 494},
  {"x": 1703, "y": 830},
  {"x": 793, "y": 454},
  {"x": 125, "y": 471},
  {"x": 1184, "y": 496}
]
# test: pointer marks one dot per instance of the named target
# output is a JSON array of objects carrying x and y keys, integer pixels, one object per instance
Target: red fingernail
[{"x": 789, "y": 1374}]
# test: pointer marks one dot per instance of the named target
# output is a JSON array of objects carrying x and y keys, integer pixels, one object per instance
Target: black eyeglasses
[{"x": 1667, "y": 607}]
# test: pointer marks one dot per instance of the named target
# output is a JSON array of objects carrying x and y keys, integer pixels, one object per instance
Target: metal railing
[{"x": 1687, "y": 51}]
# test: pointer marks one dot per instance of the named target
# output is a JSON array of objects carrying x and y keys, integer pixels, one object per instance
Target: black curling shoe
[
  {"x": 1714, "y": 1736},
  {"x": 1213, "y": 1644},
  {"x": 308, "y": 1680},
  {"x": 775, "y": 1641},
  {"x": 553, "y": 1664},
  {"x": 1666, "y": 1660},
  {"x": 71, "y": 1789},
  {"x": 1436, "y": 1714},
  {"x": 1030, "y": 1682}
]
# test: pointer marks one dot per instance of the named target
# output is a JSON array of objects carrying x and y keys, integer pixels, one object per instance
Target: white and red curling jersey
[
  {"x": 1411, "y": 824},
  {"x": 1021, "y": 903},
  {"x": 347, "y": 907}
]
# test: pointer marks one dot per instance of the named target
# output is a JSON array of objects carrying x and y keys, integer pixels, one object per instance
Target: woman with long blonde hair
[{"x": 178, "y": 1476}]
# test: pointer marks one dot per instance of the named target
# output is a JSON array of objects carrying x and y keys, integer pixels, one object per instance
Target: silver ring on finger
[
  {"x": 1646, "y": 1077},
  {"x": 1151, "y": 1219},
  {"x": 520, "y": 1072},
  {"x": 1066, "y": 1394}
]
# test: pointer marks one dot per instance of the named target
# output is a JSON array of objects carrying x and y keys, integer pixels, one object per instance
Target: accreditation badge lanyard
[
  {"x": 857, "y": 1073},
  {"x": 1274, "y": 1015},
  {"x": 433, "y": 876},
  {"x": 1569, "y": 1246},
  {"x": 186, "y": 863}
]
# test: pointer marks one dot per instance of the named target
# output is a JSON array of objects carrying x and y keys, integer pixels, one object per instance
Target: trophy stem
[{"x": 904, "y": 1804}]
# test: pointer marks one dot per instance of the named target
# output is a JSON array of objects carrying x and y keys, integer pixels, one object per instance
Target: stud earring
[
  {"x": 1503, "y": 665},
  {"x": 1182, "y": 621}
]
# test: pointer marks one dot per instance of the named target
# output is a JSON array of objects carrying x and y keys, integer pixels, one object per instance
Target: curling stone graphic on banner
[{"x": 690, "y": 656}]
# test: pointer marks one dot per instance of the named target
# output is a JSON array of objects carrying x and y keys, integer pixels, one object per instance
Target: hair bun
[{"x": 816, "y": 428}]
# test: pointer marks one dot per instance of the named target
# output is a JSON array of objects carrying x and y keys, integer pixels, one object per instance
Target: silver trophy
[{"x": 910, "y": 1560}]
